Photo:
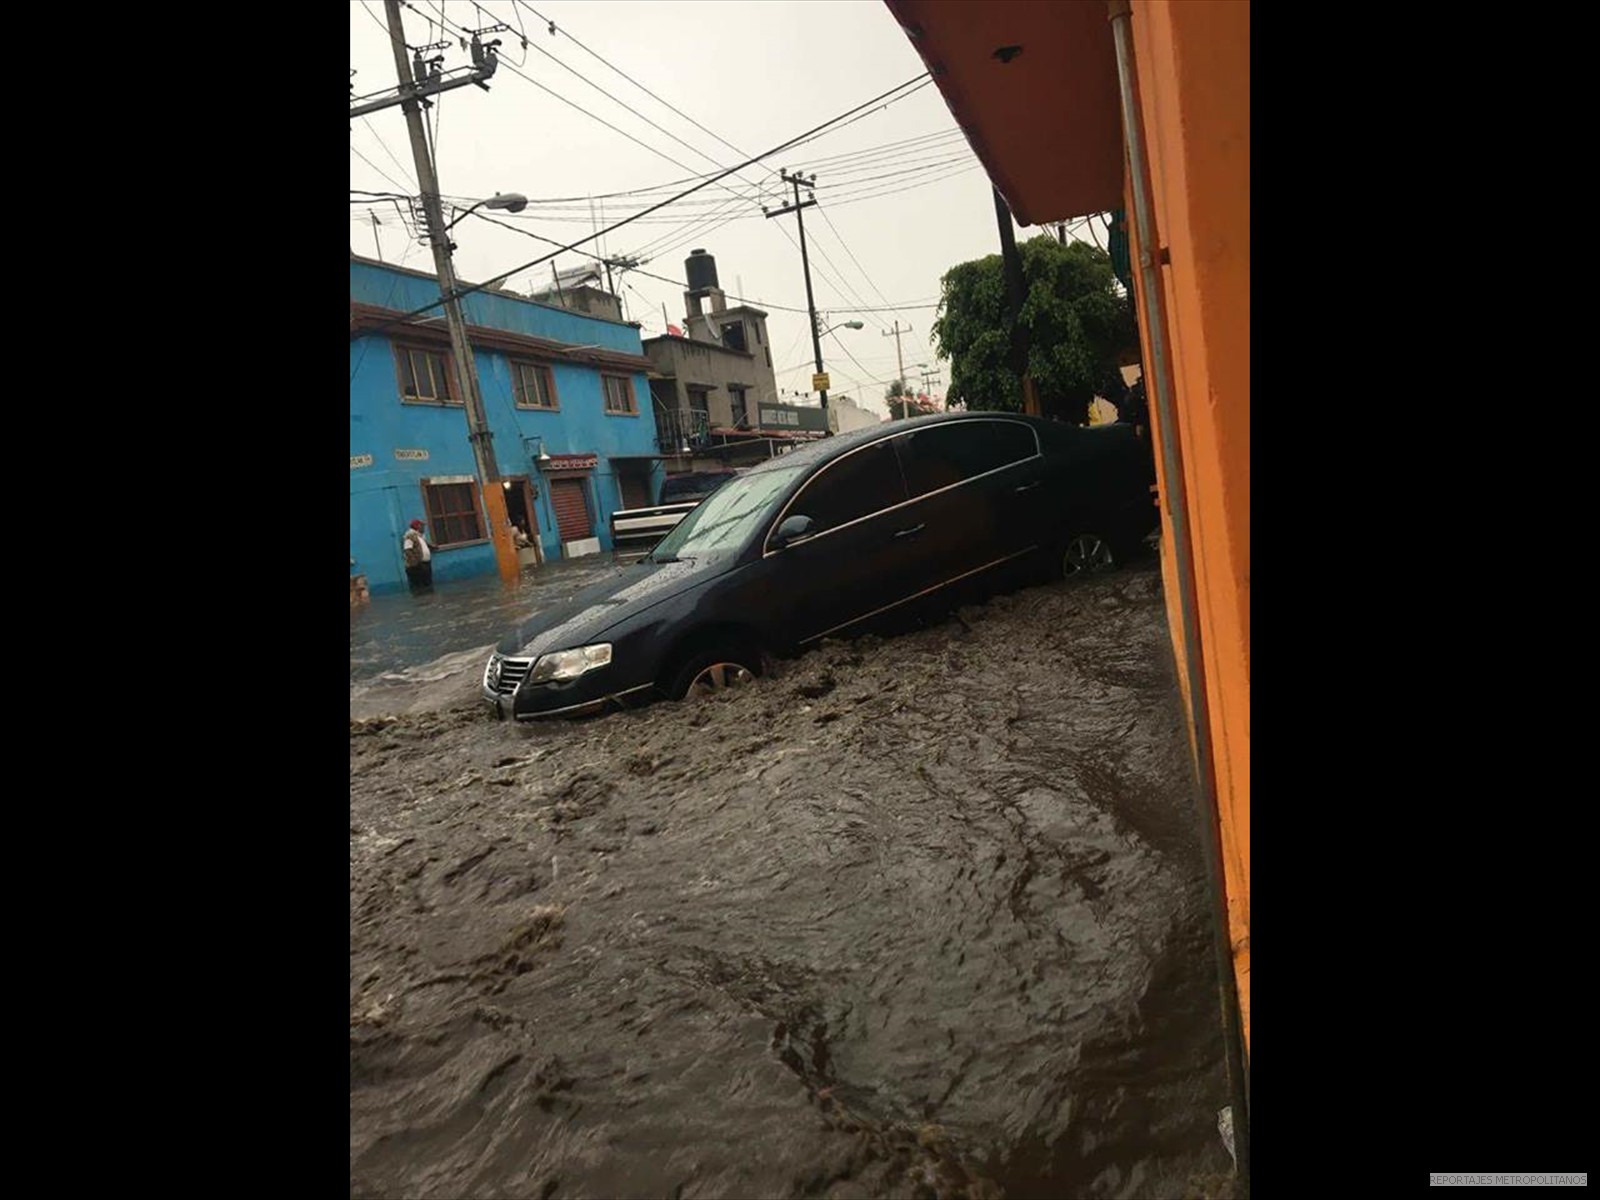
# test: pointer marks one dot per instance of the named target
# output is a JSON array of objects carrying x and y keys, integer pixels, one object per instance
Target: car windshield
[{"x": 726, "y": 518}]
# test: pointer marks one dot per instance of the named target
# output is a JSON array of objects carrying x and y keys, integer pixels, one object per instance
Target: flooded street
[
  {"x": 413, "y": 653},
  {"x": 909, "y": 917}
]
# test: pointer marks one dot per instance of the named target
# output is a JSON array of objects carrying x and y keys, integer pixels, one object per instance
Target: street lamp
[
  {"x": 510, "y": 202},
  {"x": 842, "y": 325},
  {"x": 817, "y": 332}
]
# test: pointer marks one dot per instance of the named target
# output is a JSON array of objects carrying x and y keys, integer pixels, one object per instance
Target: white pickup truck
[{"x": 635, "y": 531}]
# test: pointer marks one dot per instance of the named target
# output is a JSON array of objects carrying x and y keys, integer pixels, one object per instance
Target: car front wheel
[{"x": 716, "y": 669}]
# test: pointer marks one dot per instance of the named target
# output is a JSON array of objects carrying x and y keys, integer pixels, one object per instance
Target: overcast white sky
[{"x": 893, "y": 214}]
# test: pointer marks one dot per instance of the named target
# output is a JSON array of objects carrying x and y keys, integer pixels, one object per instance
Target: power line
[
  {"x": 696, "y": 228},
  {"x": 679, "y": 283},
  {"x": 653, "y": 150},
  {"x": 852, "y": 175},
  {"x": 699, "y": 225},
  {"x": 608, "y": 124},
  {"x": 373, "y": 129},
  {"x": 522, "y": 31},
  {"x": 920, "y": 80},
  {"x": 691, "y": 230},
  {"x": 717, "y": 207},
  {"x": 870, "y": 282},
  {"x": 897, "y": 191},
  {"x": 626, "y": 105},
  {"x": 859, "y": 382},
  {"x": 460, "y": 293},
  {"x": 853, "y": 190},
  {"x": 376, "y": 167},
  {"x": 366, "y": 343},
  {"x": 579, "y": 203},
  {"x": 554, "y": 28},
  {"x": 913, "y": 169},
  {"x": 604, "y": 61},
  {"x": 839, "y": 288},
  {"x": 912, "y": 145}
]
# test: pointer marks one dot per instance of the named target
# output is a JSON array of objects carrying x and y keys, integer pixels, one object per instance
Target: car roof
[{"x": 824, "y": 449}]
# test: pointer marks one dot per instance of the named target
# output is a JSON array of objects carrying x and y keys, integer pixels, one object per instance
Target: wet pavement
[{"x": 915, "y": 917}]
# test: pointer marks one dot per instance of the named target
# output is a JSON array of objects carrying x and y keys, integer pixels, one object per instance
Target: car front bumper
[{"x": 506, "y": 691}]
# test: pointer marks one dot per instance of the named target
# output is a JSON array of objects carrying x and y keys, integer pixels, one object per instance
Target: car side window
[
  {"x": 1014, "y": 441},
  {"x": 947, "y": 454},
  {"x": 857, "y": 485}
]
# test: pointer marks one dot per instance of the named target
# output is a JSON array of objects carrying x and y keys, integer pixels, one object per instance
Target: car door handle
[
  {"x": 912, "y": 532},
  {"x": 1026, "y": 487}
]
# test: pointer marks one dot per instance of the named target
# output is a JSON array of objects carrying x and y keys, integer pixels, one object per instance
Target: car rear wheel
[
  {"x": 1086, "y": 554},
  {"x": 714, "y": 670}
]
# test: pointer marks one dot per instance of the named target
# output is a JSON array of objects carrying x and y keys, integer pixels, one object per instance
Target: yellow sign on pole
[{"x": 819, "y": 382}]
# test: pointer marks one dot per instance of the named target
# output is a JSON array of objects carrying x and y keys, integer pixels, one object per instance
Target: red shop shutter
[{"x": 572, "y": 509}]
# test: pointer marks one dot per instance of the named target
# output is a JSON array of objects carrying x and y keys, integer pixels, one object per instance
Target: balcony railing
[{"x": 677, "y": 428}]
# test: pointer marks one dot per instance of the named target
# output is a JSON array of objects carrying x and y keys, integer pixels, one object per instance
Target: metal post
[
  {"x": 1160, "y": 387},
  {"x": 494, "y": 501},
  {"x": 1011, "y": 264}
]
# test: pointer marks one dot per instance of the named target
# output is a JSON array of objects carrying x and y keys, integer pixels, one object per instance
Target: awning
[{"x": 1034, "y": 87}]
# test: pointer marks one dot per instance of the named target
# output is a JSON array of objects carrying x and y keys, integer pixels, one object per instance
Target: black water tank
[{"x": 701, "y": 271}]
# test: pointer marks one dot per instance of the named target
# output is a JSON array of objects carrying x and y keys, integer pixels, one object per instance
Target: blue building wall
[{"x": 386, "y": 495}]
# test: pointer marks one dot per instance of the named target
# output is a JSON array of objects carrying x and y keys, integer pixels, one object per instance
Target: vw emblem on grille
[{"x": 494, "y": 672}]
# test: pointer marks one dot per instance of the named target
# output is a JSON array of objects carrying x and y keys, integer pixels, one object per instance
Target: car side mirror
[{"x": 794, "y": 529}]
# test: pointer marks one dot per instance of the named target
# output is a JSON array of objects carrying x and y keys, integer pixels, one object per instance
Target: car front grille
[{"x": 506, "y": 673}]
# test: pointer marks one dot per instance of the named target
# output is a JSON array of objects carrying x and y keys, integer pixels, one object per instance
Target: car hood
[{"x": 581, "y": 620}]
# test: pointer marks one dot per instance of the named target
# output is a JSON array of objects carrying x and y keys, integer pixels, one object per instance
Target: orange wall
[{"x": 1193, "y": 65}]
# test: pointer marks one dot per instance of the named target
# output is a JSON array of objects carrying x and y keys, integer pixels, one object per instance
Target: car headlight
[{"x": 569, "y": 664}]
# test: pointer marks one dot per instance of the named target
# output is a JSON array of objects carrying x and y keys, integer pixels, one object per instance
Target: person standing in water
[{"x": 419, "y": 558}]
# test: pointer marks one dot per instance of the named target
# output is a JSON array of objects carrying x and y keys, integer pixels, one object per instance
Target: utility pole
[
  {"x": 797, "y": 208},
  {"x": 494, "y": 500},
  {"x": 375, "y": 240},
  {"x": 899, "y": 362},
  {"x": 432, "y": 82}
]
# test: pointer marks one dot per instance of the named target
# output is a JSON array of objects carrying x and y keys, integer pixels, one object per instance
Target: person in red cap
[{"x": 419, "y": 558}]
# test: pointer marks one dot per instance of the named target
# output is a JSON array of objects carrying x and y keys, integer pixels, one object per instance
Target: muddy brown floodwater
[{"x": 914, "y": 917}]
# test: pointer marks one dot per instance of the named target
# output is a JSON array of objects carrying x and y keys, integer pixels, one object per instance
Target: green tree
[{"x": 1074, "y": 324}]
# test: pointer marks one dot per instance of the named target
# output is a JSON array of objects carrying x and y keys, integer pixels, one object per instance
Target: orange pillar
[
  {"x": 505, "y": 550},
  {"x": 1194, "y": 99}
]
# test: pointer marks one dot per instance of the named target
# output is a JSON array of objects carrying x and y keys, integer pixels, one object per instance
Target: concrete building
[
  {"x": 566, "y": 397},
  {"x": 579, "y": 290},
  {"x": 845, "y": 414},
  {"x": 713, "y": 389}
]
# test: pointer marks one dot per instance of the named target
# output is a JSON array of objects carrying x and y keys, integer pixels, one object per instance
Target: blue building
[{"x": 567, "y": 400}]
